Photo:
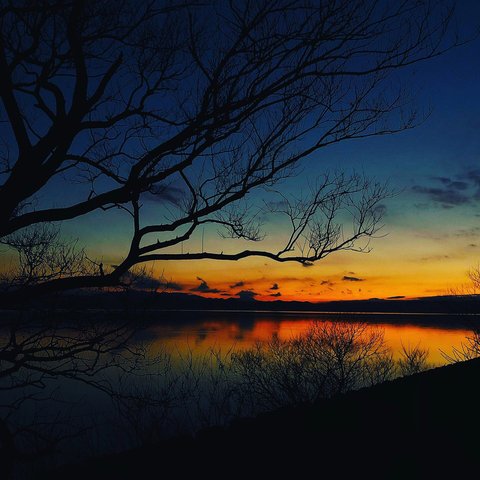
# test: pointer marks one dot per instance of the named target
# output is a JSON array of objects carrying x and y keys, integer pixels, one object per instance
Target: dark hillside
[{"x": 423, "y": 426}]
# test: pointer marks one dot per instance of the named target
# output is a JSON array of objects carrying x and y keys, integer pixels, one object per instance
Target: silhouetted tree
[
  {"x": 38, "y": 353},
  {"x": 413, "y": 360},
  {"x": 331, "y": 358},
  {"x": 467, "y": 350},
  {"x": 470, "y": 348},
  {"x": 196, "y": 105},
  {"x": 474, "y": 275}
]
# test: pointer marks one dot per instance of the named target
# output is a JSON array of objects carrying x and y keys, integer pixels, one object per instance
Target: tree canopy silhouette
[{"x": 195, "y": 104}]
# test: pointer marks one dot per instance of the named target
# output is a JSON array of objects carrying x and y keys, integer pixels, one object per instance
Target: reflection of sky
[
  {"x": 224, "y": 334},
  {"x": 190, "y": 340},
  {"x": 433, "y": 223}
]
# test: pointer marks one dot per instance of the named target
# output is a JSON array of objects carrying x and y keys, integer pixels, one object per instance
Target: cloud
[
  {"x": 472, "y": 175},
  {"x": 278, "y": 294},
  {"x": 352, "y": 279},
  {"x": 380, "y": 210},
  {"x": 246, "y": 295},
  {"x": 472, "y": 232},
  {"x": 237, "y": 285},
  {"x": 301, "y": 280},
  {"x": 327, "y": 283},
  {"x": 421, "y": 206},
  {"x": 164, "y": 193},
  {"x": 308, "y": 264},
  {"x": 455, "y": 184},
  {"x": 434, "y": 258},
  {"x": 447, "y": 192},
  {"x": 448, "y": 197},
  {"x": 204, "y": 288},
  {"x": 274, "y": 287},
  {"x": 277, "y": 205},
  {"x": 396, "y": 297}
]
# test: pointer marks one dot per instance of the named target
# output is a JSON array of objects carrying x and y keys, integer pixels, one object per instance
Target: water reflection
[
  {"x": 163, "y": 397},
  {"x": 200, "y": 332}
]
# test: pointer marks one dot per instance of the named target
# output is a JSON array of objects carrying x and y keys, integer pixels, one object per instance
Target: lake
[
  {"x": 201, "y": 331},
  {"x": 177, "y": 385}
]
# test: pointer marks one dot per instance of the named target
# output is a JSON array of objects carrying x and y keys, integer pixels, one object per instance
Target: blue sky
[{"x": 432, "y": 223}]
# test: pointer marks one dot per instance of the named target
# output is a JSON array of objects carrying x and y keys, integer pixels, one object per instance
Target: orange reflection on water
[
  {"x": 435, "y": 339},
  {"x": 226, "y": 332}
]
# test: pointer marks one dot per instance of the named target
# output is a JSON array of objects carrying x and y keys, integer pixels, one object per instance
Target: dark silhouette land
[{"x": 422, "y": 426}]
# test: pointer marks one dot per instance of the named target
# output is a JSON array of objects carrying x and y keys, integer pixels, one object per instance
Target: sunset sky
[
  {"x": 431, "y": 225},
  {"x": 431, "y": 233}
]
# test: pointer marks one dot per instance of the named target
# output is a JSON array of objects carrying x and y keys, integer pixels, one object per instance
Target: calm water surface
[
  {"x": 201, "y": 331},
  {"x": 195, "y": 334}
]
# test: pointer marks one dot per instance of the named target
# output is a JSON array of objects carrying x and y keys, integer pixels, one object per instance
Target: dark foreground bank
[{"x": 423, "y": 426}]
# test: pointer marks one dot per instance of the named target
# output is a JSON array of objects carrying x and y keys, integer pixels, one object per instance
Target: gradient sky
[{"x": 431, "y": 233}]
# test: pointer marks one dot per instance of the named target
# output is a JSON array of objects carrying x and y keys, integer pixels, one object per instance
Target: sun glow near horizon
[{"x": 394, "y": 268}]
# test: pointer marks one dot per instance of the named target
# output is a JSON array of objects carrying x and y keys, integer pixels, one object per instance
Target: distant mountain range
[{"x": 182, "y": 301}]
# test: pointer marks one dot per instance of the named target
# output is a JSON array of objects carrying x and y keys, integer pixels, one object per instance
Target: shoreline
[{"x": 181, "y": 316}]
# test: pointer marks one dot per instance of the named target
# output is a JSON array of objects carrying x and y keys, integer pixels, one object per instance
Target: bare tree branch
[{"x": 132, "y": 100}]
